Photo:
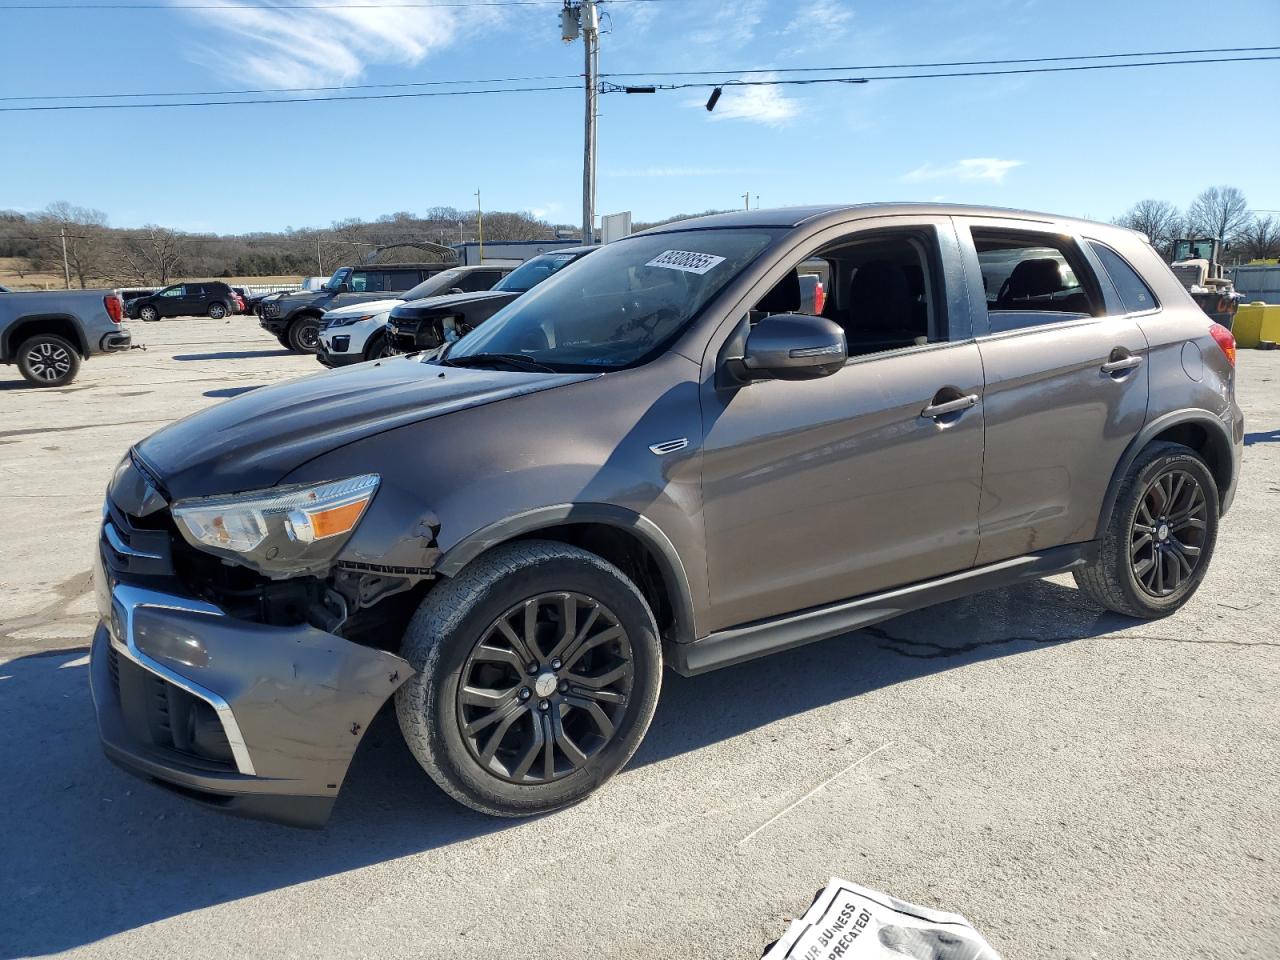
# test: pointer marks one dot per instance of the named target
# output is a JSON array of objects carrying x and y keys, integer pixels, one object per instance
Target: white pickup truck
[{"x": 48, "y": 334}]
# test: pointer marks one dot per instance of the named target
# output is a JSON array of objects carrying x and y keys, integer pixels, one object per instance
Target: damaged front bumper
[{"x": 253, "y": 719}]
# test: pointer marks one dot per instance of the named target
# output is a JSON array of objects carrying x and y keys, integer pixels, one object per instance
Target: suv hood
[
  {"x": 356, "y": 309},
  {"x": 449, "y": 301},
  {"x": 255, "y": 440}
]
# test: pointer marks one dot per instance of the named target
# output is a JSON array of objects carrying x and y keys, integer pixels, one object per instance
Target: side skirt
[{"x": 738, "y": 644}]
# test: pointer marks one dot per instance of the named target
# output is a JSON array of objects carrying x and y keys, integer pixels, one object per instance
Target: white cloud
[
  {"x": 767, "y": 105},
  {"x": 991, "y": 169},
  {"x": 297, "y": 48},
  {"x": 732, "y": 25}
]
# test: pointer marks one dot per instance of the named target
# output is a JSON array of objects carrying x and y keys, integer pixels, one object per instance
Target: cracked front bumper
[{"x": 256, "y": 720}]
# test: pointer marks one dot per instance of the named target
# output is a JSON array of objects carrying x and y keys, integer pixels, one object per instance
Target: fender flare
[
  {"x": 659, "y": 544},
  {"x": 1219, "y": 437},
  {"x": 12, "y": 342}
]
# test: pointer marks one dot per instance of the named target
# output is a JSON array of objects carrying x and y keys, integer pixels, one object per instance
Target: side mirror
[{"x": 791, "y": 346}]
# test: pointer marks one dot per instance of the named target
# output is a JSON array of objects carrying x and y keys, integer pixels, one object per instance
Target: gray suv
[{"x": 652, "y": 459}]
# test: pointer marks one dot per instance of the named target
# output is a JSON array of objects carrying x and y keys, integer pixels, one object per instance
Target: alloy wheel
[
  {"x": 309, "y": 336},
  {"x": 546, "y": 688},
  {"x": 48, "y": 361},
  {"x": 1167, "y": 538}
]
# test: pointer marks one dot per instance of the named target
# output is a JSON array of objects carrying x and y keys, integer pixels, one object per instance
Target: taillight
[
  {"x": 819, "y": 298},
  {"x": 1225, "y": 341},
  {"x": 115, "y": 307}
]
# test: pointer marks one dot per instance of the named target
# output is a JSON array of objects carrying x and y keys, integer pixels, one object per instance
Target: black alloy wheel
[
  {"x": 1168, "y": 533},
  {"x": 1156, "y": 545},
  {"x": 545, "y": 688},
  {"x": 304, "y": 335}
]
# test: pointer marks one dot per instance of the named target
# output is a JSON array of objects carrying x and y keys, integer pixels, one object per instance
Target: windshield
[
  {"x": 528, "y": 275},
  {"x": 620, "y": 305},
  {"x": 433, "y": 286},
  {"x": 338, "y": 278}
]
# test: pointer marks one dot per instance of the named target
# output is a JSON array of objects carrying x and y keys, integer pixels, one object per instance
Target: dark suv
[
  {"x": 653, "y": 459},
  {"x": 197, "y": 298},
  {"x": 294, "y": 319}
]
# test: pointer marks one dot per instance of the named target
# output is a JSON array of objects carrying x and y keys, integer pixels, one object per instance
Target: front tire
[
  {"x": 1160, "y": 537},
  {"x": 538, "y": 670},
  {"x": 48, "y": 360},
  {"x": 304, "y": 335},
  {"x": 149, "y": 314},
  {"x": 217, "y": 311},
  {"x": 378, "y": 347}
]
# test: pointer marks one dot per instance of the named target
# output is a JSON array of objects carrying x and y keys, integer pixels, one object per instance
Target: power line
[
  {"x": 787, "y": 82},
  {"x": 230, "y": 103},
  {"x": 655, "y": 73},
  {"x": 447, "y": 4},
  {"x": 943, "y": 63},
  {"x": 615, "y": 88},
  {"x": 237, "y": 93}
]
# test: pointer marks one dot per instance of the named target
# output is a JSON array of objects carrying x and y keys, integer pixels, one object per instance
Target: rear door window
[
  {"x": 478, "y": 280},
  {"x": 1134, "y": 293},
  {"x": 1033, "y": 279}
]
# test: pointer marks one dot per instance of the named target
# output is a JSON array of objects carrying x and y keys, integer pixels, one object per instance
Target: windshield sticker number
[{"x": 685, "y": 260}]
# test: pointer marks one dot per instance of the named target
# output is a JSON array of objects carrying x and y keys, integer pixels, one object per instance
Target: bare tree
[
  {"x": 1260, "y": 239},
  {"x": 1160, "y": 220},
  {"x": 152, "y": 253},
  {"x": 515, "y": 226},
  {"x": 87, "y": 241},
  {"x": 1219, "y": 212}
]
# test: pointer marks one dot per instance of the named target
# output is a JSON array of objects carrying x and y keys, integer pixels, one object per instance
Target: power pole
[
  {"x": 746, "y": 200},
  {"x": 319, "y": 262},
  {"x": 480, "y": 226},
  {"x": 66, "y": 268},
  {"x": 582, "y": 18}
]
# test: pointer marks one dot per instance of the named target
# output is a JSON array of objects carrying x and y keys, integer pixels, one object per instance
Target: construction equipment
[{"x": 1196, "y": 265}]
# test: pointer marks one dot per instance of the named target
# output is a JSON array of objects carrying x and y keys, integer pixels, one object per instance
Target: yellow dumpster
[{"x": 1256, "y": 322}]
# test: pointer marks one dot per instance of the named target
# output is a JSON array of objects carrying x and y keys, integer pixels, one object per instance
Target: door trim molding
[{"x": 739, "y": 644}]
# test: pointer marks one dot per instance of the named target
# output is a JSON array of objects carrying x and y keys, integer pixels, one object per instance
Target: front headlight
[
  {"x": 345, "y": 321},
  {"x": 283, "y": 531}
]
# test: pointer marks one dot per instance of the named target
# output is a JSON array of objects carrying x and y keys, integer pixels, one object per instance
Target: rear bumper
[
  {"x": 115, "y": 341},
  {"x": 1235, "y": 426},
  {"x": 256, "y": 720}
]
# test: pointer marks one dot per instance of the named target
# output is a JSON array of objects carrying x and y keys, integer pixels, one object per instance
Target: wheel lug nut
[
  {"x": 533, "y": 668},
  {"x": 555, "y": 664},
  {"x": 543, "y": 705},
  {"x": 525, "y": 693}
]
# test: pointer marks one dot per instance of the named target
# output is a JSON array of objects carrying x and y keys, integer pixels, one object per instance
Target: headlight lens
[
  {"x": 284, "y": 529},
  {"x": 345, "y": 321}
]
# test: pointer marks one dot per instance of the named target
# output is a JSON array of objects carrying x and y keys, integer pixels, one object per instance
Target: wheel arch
[
  {"x": 1196, "y": 429},
  {"x": 59, "y": 324},
  {"x": 630, "y": 541}
]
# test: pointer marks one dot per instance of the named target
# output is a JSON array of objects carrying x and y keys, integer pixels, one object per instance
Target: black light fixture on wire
[{"x": 714, "y": 98}]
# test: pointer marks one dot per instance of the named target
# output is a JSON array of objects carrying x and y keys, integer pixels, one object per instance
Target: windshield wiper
[{"x": 518, "y": 360}]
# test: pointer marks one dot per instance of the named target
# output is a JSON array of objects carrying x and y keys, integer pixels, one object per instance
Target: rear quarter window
[{"x": 1133, "y": 291}]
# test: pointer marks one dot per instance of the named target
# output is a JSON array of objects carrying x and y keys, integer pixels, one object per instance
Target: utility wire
[
  {"x": 654, "y": 73},
  {"x": 788, "y": 82},
  {"x": 445, "y": 4},
  {"x": 944, "y": 63},
  {"x": 237, "y": 93},
  {"x": 615, "y": 88},
  {"x": 230, "y": 103}
]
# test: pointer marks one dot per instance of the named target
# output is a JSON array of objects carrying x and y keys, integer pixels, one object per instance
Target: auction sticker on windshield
[{"x": 685, "y": 260}]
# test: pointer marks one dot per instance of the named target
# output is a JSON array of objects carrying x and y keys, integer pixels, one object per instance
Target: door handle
[
  {"x": 1125, "y": 362},
  {"x": 935, "y": 410}
]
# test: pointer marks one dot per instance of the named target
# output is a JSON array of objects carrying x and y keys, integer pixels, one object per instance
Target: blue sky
[{"x": 1084, "y": 144}]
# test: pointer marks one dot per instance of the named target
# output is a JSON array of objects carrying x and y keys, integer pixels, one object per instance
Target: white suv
[{"x": 355, "y": 333}]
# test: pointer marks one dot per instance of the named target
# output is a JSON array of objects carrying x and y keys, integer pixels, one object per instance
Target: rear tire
[
  {"x": 217, "y": 311},
  {"x": 1160, "y": 538},
  {"x": 47, "y": 360},
  {"x": 304, "y": 335},
  {"x": 568, "y": 690}
]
